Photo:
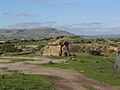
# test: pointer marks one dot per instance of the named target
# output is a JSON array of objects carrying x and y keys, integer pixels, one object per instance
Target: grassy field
[
  {"x": 96, "y": 67},
  {"x": 25, "y": 82}
]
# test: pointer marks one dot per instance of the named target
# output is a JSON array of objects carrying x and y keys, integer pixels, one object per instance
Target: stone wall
[
  {"x": 85, "y": 48},
  {"x": 57, "y": 48},
  {"x": 52, "y": 50}
]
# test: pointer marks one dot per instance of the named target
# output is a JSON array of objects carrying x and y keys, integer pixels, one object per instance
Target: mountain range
[{"x": 32, "y": 33}]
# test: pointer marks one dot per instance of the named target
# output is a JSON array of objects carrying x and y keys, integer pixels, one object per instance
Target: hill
[{"x": 32, "y": 33}]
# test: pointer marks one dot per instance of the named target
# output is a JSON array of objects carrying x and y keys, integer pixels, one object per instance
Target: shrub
[
  {"x": 50, "y": 62},
  {"x": 7, "y": 48},
  {"x": 75, "y": 48},
  {"x": 95, "y": 52}
]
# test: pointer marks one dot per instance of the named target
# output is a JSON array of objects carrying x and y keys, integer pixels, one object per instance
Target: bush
[
  {"x": 1, "y": 53},
  {"x": 40, "y": 47},
  {"x": 50, "y": 62},
  {"x": 75, "y": 48},
  {"x": 7, "y": 48},
  {"x": 95, "y": 52}
]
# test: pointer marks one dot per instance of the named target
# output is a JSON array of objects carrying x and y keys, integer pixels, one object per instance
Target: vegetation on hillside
[
  {"x": 32, "y": 33},
  {"x": 7, "y": 48}
]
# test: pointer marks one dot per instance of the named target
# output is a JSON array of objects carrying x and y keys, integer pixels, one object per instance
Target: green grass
[
  {"x": 25, "y": 82},
  {"x": 96, "y": 67},
  {"x": 54, "y": 57}
]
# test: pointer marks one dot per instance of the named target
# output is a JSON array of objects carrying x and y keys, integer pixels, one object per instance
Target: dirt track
[{"x": 62, "y": 79}]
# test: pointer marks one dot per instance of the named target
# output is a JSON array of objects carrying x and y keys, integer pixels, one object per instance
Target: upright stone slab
[
  {"x": 65, "y": 51},
  {"x": 117, "y": 62}
]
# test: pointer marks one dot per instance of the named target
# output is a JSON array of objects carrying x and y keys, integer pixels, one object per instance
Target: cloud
[
  {"x": 93, "y": 28},
  {"x": 72, "y": 4},
  {"x": 26, "y": 14},
  {"x": 50, "y": 22},
  {"x": 37, "y": 1},
  {"x": 19, "y": 14},
  {"x": 42, "y": 1},
  {"x": 7, "y": 14},
  {"x": 25, "y": 25},
  {"x": 29, "y": 25},
  {"x": 23, "y": 14},
  {"x": 91, "y": 24}
]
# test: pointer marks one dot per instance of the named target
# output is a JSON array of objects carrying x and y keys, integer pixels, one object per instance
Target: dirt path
[
  {"x": 31, "y": 60},
  {"x": 62, "y": 79}
]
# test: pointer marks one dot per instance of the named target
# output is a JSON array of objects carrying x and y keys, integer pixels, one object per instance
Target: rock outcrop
[{"x": 58, "y": 48}]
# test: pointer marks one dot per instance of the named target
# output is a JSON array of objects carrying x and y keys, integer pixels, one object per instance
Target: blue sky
[{"x": 80, "y": 15}]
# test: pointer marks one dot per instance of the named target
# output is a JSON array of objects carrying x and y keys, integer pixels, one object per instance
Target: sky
[{"x": 86, "y": 17}]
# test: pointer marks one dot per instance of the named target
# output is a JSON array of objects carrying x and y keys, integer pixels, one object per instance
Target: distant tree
[{"x": 59, "y": 37}]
